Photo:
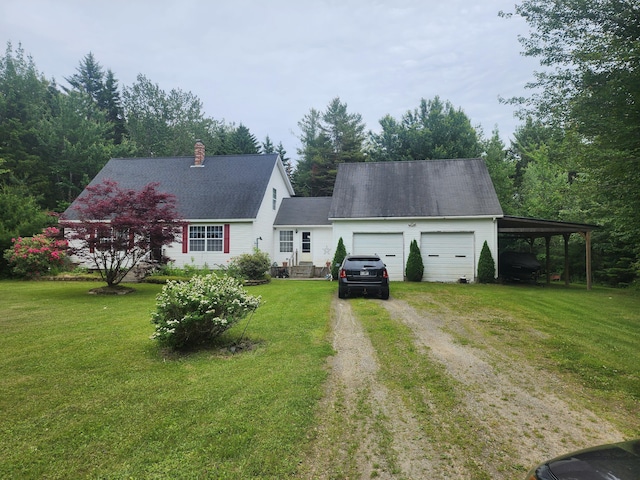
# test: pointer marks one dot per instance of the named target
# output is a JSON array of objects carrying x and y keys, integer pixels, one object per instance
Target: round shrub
[
  {"x": 195, "y": 312},
  {"x": 251, "y": 266}
]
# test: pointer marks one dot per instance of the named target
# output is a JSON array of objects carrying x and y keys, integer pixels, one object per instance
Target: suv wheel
[
  {"x": 342, "y": 292},
  {"x": 384, "y": 294}
]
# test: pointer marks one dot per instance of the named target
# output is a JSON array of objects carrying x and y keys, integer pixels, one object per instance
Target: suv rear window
[{"x": 363, "y": 262}]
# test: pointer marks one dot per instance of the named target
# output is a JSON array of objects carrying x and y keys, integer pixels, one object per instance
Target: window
[
  {"x": 274, "y": 198},
  {"x": 306, "y": 242},
  {"x": 205, "y": 238},
  {"x": 286, "y": 240}
]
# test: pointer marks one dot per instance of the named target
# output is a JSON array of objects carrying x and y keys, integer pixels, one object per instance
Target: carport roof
[{"x": 535, "y": 227}]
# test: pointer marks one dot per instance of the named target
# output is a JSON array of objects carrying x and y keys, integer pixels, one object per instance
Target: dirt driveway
[{"x": 520, "y": 414}]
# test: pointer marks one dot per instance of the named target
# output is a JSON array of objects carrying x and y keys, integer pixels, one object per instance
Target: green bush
[
  {"x": 415, "y": 266},
  {"x": 486, "y": 265},
  {"x": 341, "y": 252},
  {"x": 196, "y": 312},
  {"x": 250, "y": 266}
]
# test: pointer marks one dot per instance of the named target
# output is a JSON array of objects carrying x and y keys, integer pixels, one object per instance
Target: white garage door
[
  {"x": 389, "y": 246},
  {"x": 447, "y": 256}
]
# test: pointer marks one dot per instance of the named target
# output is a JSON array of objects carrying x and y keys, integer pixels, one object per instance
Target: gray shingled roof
[
  {"x": 425, "y": 188},
  {"x": 304, "y": 211},
  {"x": 226, "y": 187}
]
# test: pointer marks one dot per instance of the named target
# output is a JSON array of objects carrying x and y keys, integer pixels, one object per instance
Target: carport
[{"x": 532, "y": 228}]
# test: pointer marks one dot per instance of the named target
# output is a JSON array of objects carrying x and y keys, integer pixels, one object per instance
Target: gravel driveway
[{"x": 522, "y": 415}]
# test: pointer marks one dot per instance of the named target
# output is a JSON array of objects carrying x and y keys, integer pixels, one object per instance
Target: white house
[{"x": 232, "y": 204}]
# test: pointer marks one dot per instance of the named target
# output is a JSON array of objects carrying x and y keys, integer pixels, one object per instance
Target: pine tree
[
  {"x": 415, "y": 266},
  {"x": 341, "y": 252},
  {"x": 244, "y": 141},
  {"x": 267, "y": 146},
  {"x": 486, "y": 265}
]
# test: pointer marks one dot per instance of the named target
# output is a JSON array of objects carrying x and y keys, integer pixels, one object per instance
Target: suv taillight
[
  {"x": 343, "y": 273},
  {"x": 385, "y": 274}
]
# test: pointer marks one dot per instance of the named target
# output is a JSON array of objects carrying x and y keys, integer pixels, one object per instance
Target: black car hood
[{"x": 620, "y": 461}]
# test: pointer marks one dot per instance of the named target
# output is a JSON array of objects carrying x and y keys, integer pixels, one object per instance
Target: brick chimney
[{"x": 199, "y": 153}]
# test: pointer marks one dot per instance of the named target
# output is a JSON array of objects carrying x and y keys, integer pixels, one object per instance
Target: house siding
[
  {"x": 240, "y": 241},
  {"x": 483, "y": 229},
  {"x": 263, "y": 225},
  {"x": 322, "y": 247}
]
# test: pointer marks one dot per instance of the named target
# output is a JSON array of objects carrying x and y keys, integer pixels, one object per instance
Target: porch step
[{"x": 301, "y": 271}]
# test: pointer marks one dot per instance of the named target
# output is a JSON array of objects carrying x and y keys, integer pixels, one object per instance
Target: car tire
[
  {"x": 342, "y": 292},
  {"x": 384, "y": 294}
]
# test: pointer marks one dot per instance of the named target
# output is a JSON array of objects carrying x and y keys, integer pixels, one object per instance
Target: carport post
[
  {"x": 566, "y": 258},
  {"x": 587, "y": 238},
  {"x": 547, "y": 242}
]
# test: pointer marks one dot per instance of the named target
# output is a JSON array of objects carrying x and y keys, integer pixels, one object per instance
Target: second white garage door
[
  {"x": 448, "y": 256},
  {"x": 389, "y": 246}
]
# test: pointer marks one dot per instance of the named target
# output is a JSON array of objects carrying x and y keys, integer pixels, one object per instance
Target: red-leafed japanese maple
[{"x": 117, "y": 227}]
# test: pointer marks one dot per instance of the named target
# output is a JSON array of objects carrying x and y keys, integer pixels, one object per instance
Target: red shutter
[
  {"x": 227, "y": 227},
  {"x": 185, "y": 238}
]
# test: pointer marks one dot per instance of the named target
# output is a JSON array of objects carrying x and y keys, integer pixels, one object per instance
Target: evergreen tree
[
  {"x": 486, "y": 265},
  {"x": 88, "y": 79},
  {"x": 415, "y": 266},
  {"x": 111, "y": 103},
  {"x": 286, "y": 161},
  {"x": 243, "y": 141},
  {"x": 328, "y": 138},
  {"x": 338, "y": 257},
  {"x": 267, "y": 146}
]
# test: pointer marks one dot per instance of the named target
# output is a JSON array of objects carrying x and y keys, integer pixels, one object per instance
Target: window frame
[
  {"x": 286, "y": 242},
  {"x": 206, "y": 238}
]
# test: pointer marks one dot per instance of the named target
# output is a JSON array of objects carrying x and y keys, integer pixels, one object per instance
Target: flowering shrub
[
  {"x": 42, "y": 254},
  {"x": 195, "y": 312}
]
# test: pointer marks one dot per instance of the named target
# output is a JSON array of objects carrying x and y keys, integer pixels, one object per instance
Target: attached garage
[
  {"x": 389, "y": 246},
  {"x": 448, "y": 256}
]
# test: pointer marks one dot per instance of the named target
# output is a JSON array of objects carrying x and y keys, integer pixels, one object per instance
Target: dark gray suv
[{"x": 365, "y": 275}]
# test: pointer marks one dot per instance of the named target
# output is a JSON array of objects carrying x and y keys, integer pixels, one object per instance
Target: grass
[
  {"x": 589, "y": 338},
  {"x": 85, "y": 393}
]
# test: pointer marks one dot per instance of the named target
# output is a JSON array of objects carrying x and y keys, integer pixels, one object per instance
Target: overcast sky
[{"x": 267, "y": 63}]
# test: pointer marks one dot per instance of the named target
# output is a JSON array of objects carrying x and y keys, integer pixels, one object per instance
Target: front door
[{"x": 306, "y": 256}]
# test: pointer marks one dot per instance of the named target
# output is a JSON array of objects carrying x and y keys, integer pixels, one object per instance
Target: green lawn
[{"x": 85, "y": 393}]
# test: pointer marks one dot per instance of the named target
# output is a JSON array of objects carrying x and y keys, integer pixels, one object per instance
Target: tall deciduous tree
[
  {"x": 433, "y": 130},
  {"x": 116, "y": 227},
  {"x": 165, "y": 124},
  {"x": 590, "y": 85},
  {"x": 328, "y": 138},
  {"x": 25, "y": 96},
  {"x": 20, "y": 215},
  {"x": 501, "y": 170}
]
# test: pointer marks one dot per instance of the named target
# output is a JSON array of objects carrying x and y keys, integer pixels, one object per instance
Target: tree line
[{"x": 574, "y": 157}]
